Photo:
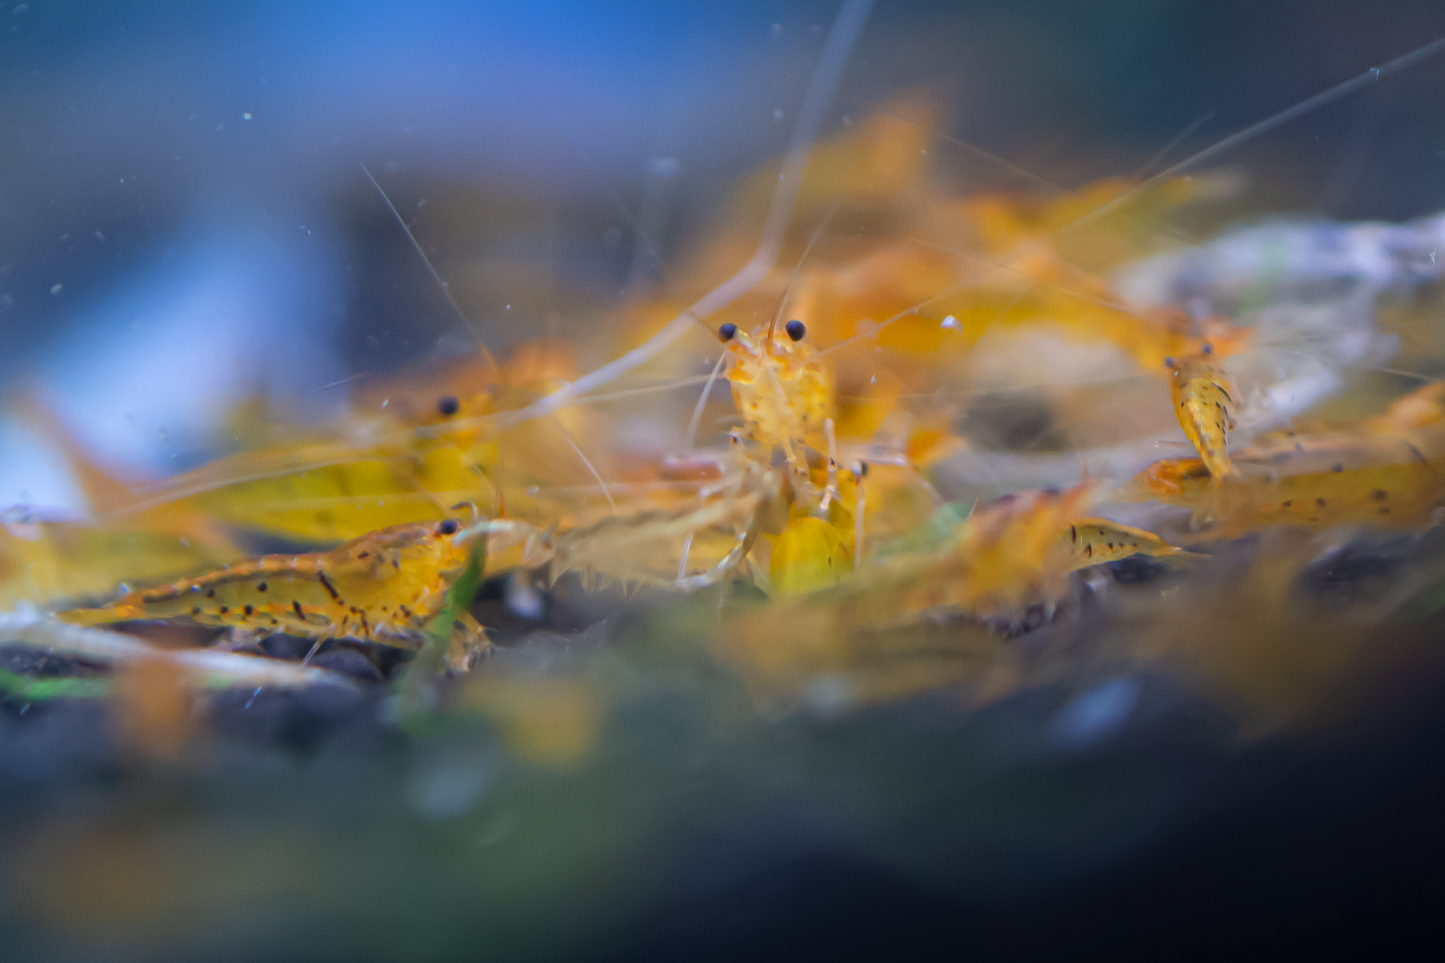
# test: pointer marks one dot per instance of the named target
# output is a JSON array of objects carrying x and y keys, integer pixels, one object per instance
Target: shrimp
[
  {"x": 780, "y": 390},
  {"x": 722, "y": 526},
  {"x": 1093, "y": 541},
  {"x": 860, "y": 639},
  {"x": 383, "y": 587},
  {"x": 1003, "y": 559},
  {"x": 786, "y": 399},
  {"x": 410, "y": 446},
  {"x": 1420, "y": 409},
  {"x": 1204, "y": 407},
  {"x": 1375, "y": 493}
]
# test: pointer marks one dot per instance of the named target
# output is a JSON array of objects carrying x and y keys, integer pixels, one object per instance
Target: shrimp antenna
[
  {"x": 841, "y": 37},
  {"x": 467, "y": 504},
  {"x": 772, "y": 325},
  {"x": 446, "y": 290},
  {"x": 702, "y": 403},
  {"x": 1258, "y": 129},
  {"x": 1174, "y": 142},
  {"x": 649, "y": 246},
  {"x": 606, "y": 492},
  {"x": 1234, "y": 140},
  {"x": 798, "y": 269},
  {"x": 1053, "y": 187}
]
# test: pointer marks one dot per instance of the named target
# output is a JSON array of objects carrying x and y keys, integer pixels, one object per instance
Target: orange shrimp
[
  {"x": 997, "y": 563},
  {"x": 786, "y": 399},
  {"x": 411, "y": 445},
  {"x": 868, "y": 638},
  {"x": 780, "y": 390},
  {"x": 1388, "y": 494},
  {"x": 1094, "y": 541},
  {"x": 383, "y": 587},
  {"x": 1203, "y": 405},
  {"x": 1421, "y": 408}
]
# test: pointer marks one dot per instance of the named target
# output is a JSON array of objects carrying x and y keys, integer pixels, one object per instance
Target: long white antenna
[
  {"x": 842, "y": 36},
  {"x": 427, "y": 261},
  {"x": 1249, "y": 133}
]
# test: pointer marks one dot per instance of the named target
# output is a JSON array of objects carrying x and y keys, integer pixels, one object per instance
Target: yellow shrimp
[
  {"x": 1093, "y": 541},
  {"x": 383, "y": 587},
  {"x": 411, "y": 446},
  {"x": 780, "y": 390},
  {"x": 815, "y": 551},
  {"x": 1421, "y": 408},
  {"x": 1001, "y": 560},
  {"x": 786, "y": 400},
  {"x": 1381, "y": 494},
  {"x": 1203, "y": 405}
]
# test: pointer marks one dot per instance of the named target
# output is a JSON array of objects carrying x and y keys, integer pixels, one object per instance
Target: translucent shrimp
[
  {"x": 711, "y": 535},
  {"x": 780, "y": 390},
  {"x": 411, "y": 445},
  {"x": 383, "y": 587},
  {"x": 786, "y": 399}
]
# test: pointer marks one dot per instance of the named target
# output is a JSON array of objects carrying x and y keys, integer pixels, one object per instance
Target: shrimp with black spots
[
  {"x": 1204, "y": 405},
  {"x": 382, "y": 587}
]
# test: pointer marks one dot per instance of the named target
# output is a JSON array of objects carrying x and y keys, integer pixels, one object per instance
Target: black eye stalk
[
  {"x": 726, "y": 332},
  {"x": 448, "y": 406},
  {"x": 795, "y": 330}
]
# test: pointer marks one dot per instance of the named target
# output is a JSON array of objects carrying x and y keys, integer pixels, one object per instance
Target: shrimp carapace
[
  {"x": 383, "y": 587},
  {"x": 1204, "y": 405},
  {"x": 780, "y": 389}
]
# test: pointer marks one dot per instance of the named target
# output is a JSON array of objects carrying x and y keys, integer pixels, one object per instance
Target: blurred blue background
[{"x": 184, "y": 219}]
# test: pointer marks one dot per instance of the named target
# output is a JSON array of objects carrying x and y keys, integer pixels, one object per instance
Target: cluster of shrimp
[{"x": 848, "y": 424}]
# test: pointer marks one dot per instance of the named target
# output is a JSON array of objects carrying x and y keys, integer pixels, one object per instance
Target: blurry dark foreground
[{"x": 607, "y": 787}]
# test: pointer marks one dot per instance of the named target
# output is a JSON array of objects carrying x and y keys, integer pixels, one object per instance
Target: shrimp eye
[
  {"x": 448, "y": 406},
  {"x": 448, "y": 527},
  {"x": 726, "y": 332},
  {"x": 795, "y": 330},
  {"x": 1208, "y": 348},
  {"x": 1168, "y": 362}
]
